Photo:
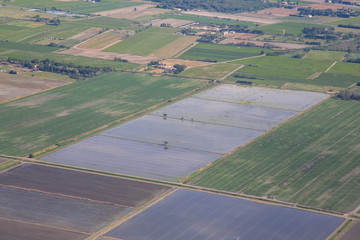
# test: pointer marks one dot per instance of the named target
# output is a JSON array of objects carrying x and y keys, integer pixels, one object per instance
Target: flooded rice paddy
[
  {"x": 175, "y": 141},
  {"x": 197, "y": 215}
]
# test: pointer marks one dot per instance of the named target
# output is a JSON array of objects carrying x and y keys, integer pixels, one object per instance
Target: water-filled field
[
  {"x": 177, "y": 140},
  {"x": 196, "y": 215}
]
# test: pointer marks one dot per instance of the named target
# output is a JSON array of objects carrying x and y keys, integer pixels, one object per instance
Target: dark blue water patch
[{"x": 198, "y": 216}]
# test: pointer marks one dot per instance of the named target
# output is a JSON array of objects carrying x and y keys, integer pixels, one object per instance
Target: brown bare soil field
[
  {"x": 188, "y": 63},
  {"x": 86, "y": 34},
  {"x": 173, "y": 22},
  {"x": 240, "y": 35},
  {"x": 82, "y": 185},
  {"x": 104, "y": 40},
  {"x": 176, "y": 46},
  {"x": 129, "y": 13},
  {"x": 248, "y": 17},
  {"x": 280, "y": 12},
  {"x": 258, "y": 43},
  {"x": 353, "y": 233},
  {"x": 15, "y": 86},
  {"x": 17, "y": 230},
  {"x": 93, "y": 53}
]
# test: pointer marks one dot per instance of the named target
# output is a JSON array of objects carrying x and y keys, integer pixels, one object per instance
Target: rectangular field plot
[
  {"x": 81, "y": 185},
  {"x": 226, "y": 113},
  {"x": 274, "y": 98},
  {"x": 185, "y": 134},
  {"x": 57, "y": 211},
  {"x": 9, "y": 230},
  {"x": 132, "y": 158},
  {"x": 196, "y": 215}
]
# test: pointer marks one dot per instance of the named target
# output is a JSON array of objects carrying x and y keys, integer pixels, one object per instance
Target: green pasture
[
  {"x": 38, "y": 121},
  {"x": 103, "y": 6},
  {"x": 276, "y": 71},
  {"x": 324, "y": 55},
  {"x": 27, "y": 47},
  {"x": 309, "y": 160},
  {"x": 212, "y": 71},
  {"x": 143, "y": 43},
  {"x": 293, "y": 28},
  {"x": 104, "y": 22},
  {"x": 219, "y": 53},
  {"x": 288, "y": 63},
  {"x": 353, "y": 21},
  {"x": 202, "y": 19},
  {"x": 346, "y": 68}
]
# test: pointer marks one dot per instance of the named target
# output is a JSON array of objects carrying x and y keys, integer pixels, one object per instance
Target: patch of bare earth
[
  {"x": 93, "y": 53},
  {"x": 133, "y": 12},
  {"x": 261, "y": 44},
  {"x": 15, "y": 86},
  {"x": 248, "y": 17},
  {"x": 238, "y": 36},
  {"x": 173, "y": 22},
  {"x": 279, "y": 12}
]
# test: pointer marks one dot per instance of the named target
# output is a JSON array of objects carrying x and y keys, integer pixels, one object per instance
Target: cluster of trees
[
  {"x": 343, "y": 13},
  {"x": 349, "y": 26},
  {"x": 74, "y": 71},
  {"x": 230, "y": 6},
  {"x": 356, "y": 60},
  {"x": 117, "y": 59},
  {"x": 320, "y": 33},
  {"x": 349, "y": 95},
  {"x": 178, "y": 68},
  {"x": 167, "y": 25}
]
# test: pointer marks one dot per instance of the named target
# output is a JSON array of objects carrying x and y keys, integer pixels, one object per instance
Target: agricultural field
[
  {"x": 292, "y": 28},
  {"x": 155, "y": 142},
  {"x": 143, "y": 43},
  {"x": 63, "y": 113},
  {"x": 196, "y": 215},
  {"x": 103, "y": 40},
  {"x": 219, "y": 53},
  {"x": 28, "y": 47},
  {"x": 72, "y": 202},
  {"x": 345, "y": 68},
  {"x": 353, "y": 21},
  {"x": 324, "y": 55},
  {"x": 18, "y": 86},
  {"x": 319, "y": 169},
  {"x": 211, "y": 71}
]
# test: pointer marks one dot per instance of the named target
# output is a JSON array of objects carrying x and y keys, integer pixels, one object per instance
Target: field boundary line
[
  {"x": 315, "y": 75},
  {"x": 63, "y": 195},
  {"x": 233, "y": 60},
  {"x": 43, "y": 225},
  {"x": 185, "y": 50},
  {"x": 330, "y": 66},
  {"x": 132, "y": 214},
  {"x": 222, "y": 78},
  {"x": 12, "y": 163}
]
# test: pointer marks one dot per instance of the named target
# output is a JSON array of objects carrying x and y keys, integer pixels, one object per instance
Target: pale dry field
[
  {"x": 258, "y": 43},
  {"x": 86, "y": 34},
  {"x": 93, "y": 53},
  {"x": 281, "y": 12},
  {"x": 130, "y": 13},
  {"x": 173, "y": 22},
  {"x": 15, "y": 86},
  {"x": 104, "y": 40},
  {"x": 240, "y": 35},
  {"x": 255, "y": 18},
  {"x": 173, "y": 48}
]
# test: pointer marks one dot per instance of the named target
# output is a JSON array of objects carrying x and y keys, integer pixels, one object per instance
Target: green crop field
[
  {"x": 324, "y": 55},
  {"x": 353, "y": 21},
  {"x": 212, "y": 71},
  {"x": 293, "y": 28},
  {"x": 202, "y": 19},
  {"x": 103, "y": 6},
  {"x": 277, "y": 71},
  {"x": 219, "y": 53},
  {"x": 346, "y": 68},
  {"x": 44, "y": 119},
  {"x": 144, "y": 43},
  {"x": 77, "y": 60},
  {"x": 104, "y": 22},
  {"x": 28, "y": 47},
  {"x": 311, "y": 160},
  {"x": 288, "y": 63}
]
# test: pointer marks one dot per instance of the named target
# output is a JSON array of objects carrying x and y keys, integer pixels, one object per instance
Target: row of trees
[
  {"x": 343, "y": 13},
  {"x": 230, "y": 6},
  {"x": 74, "y": 71}
]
